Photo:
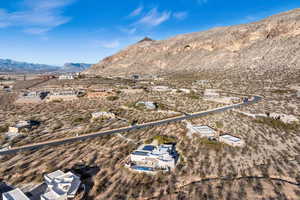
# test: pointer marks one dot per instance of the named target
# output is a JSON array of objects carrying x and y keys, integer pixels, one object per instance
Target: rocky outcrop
[{"x": 270, "y": 43}]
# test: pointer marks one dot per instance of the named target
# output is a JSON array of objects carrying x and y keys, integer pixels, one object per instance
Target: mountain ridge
[
  {"x": 257, "y": 44},
  {"x": 12, "y": 66}
]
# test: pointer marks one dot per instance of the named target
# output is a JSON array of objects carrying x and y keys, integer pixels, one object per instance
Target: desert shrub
[
  {"x": 210, "y": 144},
  {"x": 57, "y": 100},
  {"x": 56, "y": 125},
  {"x": 161, "y": 106},
  {"x": 77, "y": 120},
  {"x": 193, "y": 95},
  {"x": 3, "y": 128},
  {"x": 112, "y": 98},
  {"x": 280, "y": 91},
  {"x": 3, "y": 139},
  {"x": 163, "y": 139},
  {"x": 219, "y": 124}
]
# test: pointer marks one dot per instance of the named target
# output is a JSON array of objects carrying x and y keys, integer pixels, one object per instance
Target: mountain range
[
  {"x": 267, "y": 44},
  {"x": 8, "y": 65}
]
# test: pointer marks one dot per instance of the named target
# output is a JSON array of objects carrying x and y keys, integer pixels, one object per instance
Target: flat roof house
[
  {"x": 211, "y": 93},
  {"x": 61, "y": 186},
  {"x": 150, "y": 158},
  {"x": 66, "y": 77},
  {"x": 202, "y": 131},
  {"x": 22, "y": 125},
  {"x": 148, "y": 104},
  {"x": 232, "y": 140},
  {"x": 106, "y": 115},
  {"x": 15, "y": 194},
  {"x": 65, "y": 95},
  {"x": 161, "y": 88}
]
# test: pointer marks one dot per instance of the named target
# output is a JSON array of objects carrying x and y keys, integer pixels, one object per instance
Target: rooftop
[
  {"x": 149, "y": 148},
  {"x": 15, "y": 194},
  {"x": 61, "y": 184},
  {"x": 230, "y": 138}
]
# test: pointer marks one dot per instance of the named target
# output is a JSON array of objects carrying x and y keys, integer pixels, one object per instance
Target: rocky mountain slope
[{"x": 265, "y": 45}]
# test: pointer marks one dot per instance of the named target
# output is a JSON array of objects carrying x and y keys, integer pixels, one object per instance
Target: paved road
[{"x": 255, "y": 99}]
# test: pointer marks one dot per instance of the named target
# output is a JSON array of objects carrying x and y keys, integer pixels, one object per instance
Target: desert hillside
[{"x": 265, "y": 45}]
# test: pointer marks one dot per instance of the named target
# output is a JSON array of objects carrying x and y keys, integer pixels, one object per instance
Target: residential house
[
  {"x": 66, "y": 95},
  {"x": 135, "y": 76},
  {"x": 100, "y": 93},
  {"x": 15, "y": 194},
  {"x": 103, "y": 115},
  {"x": 148, "y": 104},
  {"x": 61, "y": 186},
  {"x": 202, "y": 131},
  {"x": 289, "y": 119},
  {"x": 66, "y": 77},
  {"x": 150, "y": 158},
  {"x": 22, "y": 125},
  {"x": 231, "y": 140},
  {"x": 211, "y": 93},
  {"x": 161, "y": 88}
]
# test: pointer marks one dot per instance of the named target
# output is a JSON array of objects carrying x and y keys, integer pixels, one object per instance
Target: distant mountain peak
[{"x": 146, "y": 39}]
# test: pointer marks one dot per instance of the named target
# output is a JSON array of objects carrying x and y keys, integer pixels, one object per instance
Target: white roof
[
  {"x": 62, "y": 184},
  {"x": 55, "y": 174},
  {"x": 230, "y": 138},
  {"x": 51, "y": 195},
  {"x": 21, "y": 124},
  {"x": 204, "y": 129},
  {"x": 15, "y": 194}
]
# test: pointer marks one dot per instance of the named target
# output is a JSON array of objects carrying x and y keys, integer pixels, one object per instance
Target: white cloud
[
  {"x": 36, "y": 16},
  {"x": 180, "y": 15},
  {"x": 110, "y": 45},
  {"x": 36, "y": 31},
  {"x": 154, "y": 18},
  {"x": 136, "y": 12},
  {"x": 202, "y": 1},
  {"x": 128, "y": 30}
]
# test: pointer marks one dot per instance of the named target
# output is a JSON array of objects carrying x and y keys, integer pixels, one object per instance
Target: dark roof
[
  {"x": 140, "y": 153},
  {"x": 148, "y": 148},
  {"x": 136, "y": 167},
  {"x": 5, "y": 188}
]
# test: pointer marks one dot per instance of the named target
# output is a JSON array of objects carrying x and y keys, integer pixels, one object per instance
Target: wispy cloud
[
  {"x": 202, "y": 1},
  {"x": 130, "y": 30},
  {"x": 109, "y": 44},
  {"x": 154, "y": 18},
  {"x": 180, "y": 15},
  {"x": 36, "y": 16},
  {"x": 136, "y": 12}
]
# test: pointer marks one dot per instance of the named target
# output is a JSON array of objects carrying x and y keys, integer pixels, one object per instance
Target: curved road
[{"x": 129, "y": 128}]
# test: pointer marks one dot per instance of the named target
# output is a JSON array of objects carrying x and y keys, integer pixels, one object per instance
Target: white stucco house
[
  {"x": 232, "y": 140},
  {"x": 66, "y": 77},
  {"x": 149, "y": 158},
  {"x": 202, "y": 131},
  {"x": 103, "y": 115},
  {"x": 148, "y": 104},
  {"x": 61, "y": 186},
  {"x": 15, "y": 194},
  {"x": 211, "y": 93}
]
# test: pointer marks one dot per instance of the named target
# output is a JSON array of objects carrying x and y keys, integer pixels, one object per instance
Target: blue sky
[{"x": 59, "y": 31}]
